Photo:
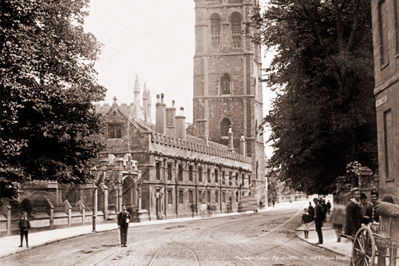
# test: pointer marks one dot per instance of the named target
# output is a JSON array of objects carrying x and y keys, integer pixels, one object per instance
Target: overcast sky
[{"x": 153, "y": 39}]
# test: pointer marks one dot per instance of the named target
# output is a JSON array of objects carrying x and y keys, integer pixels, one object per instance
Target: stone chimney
[
  {"x": 160, "y": 122},
  {"x": 242, "y": 145},
  {"x": 170, "y": 117},
  {"x": 231, "y": 143},
  {"x": 180, "y": 124},
  {"x": 202, "y": 129}
]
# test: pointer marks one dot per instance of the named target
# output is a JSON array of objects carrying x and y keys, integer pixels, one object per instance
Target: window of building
[
  {"x": 388, "y": 141},
  {"x": 114, "y": 131},
  {"x": 170, "y": 171},
  {"x": 396, "y": 6},
  {"x": 209, "y": 175},
  {"x": 224, "y": 196},
  {"x": 200, "y": 174},
  {"x": 224, "y": 127},
  {"x": 383, "y": 32},
  {"x": 242, "y": 179},
  {"x": 216, "y": 175},
  {"x": 190, "y": 173},
  {"x": 191, "y": 196},
  {"x": 237, "y": 196},
  {"x": 170, "y": 195},
  {"x": 180, "y": 196},
  {"x": 257, "y": 169},
  {"x": 230, "y": 178},
  {"x": 208, "y": 196},
  {"x": 236, "y": 30},
  {"x": 225, "y": 82},
  {"x": 158, "y": 171},
  {"x": 200, "y": 196},
  {"x": 114, "y": 114},
  {"x": 223, "y": 176},
  {"x": 216, "y": 196},
  {"x": 249, "y": 180},
  {"x": 237, "y": 178},
  {"x": 215, "y": 30},
  {"x": 180, "y": 172}
]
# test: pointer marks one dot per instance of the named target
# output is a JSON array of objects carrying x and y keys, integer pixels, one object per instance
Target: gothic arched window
[
  {"x": 224, "y": 127},
  {"x": 236, "y": 29},
  {"x": 225, "y": 82},
  {"x": 215, "y": 30}
]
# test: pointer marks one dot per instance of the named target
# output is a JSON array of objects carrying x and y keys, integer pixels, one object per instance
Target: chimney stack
[
  {"x": 202, "y": 129},
  {"x": 242, "y": 145},
  {"x": 180, "y": 125},
  {"x": 170, "y": 117},
  {"x": 160, "y": 121},
  {"x": 231, "y": 143}
]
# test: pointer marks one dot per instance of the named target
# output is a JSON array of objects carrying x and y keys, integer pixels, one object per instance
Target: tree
[
  {"x": 48, "y": 84},
  {"x": 324, "y": 115}
]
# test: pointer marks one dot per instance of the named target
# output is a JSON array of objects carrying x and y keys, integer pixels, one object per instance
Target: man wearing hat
[
  {"x": 123, "y": 224},
  {"x": 364, "y": 205},
  {"x": 370, "y": 212},
  {"x": 353, "y": 214}
]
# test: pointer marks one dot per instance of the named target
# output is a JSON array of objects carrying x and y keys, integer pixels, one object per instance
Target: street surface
[{"x": 266, "y": 238}]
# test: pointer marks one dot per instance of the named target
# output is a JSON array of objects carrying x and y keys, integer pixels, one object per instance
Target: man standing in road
[
  {"x": 24, "y": 227},
  {"x": 353, "y": 214},
  {"x": 318, "y": 220},
  {"x": 123, "y": 224}
]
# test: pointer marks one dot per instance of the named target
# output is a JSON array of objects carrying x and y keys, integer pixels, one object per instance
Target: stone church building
[{"x": 217, "y": 159}]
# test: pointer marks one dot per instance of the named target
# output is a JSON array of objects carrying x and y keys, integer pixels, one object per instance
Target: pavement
[
  {"x": 342, "y": 248},
  {"x": 9, "y": 244}
]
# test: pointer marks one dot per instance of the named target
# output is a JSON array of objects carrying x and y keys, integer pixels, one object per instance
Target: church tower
[{"x": 227, "y": 70}]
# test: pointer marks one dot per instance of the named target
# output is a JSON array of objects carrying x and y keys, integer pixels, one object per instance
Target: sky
[{"x": 153, "y": 39}]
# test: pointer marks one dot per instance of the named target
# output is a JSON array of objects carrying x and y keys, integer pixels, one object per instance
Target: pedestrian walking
[
  {"x": 328, "y": 207},
  {"x": 318, "y": 220},
  {"x": 353, "y": 214},
  {"x": 123, "y": 224},
  {"x": 193, "y": 208},
  {"x": 305, "y": 221},
  {"x": 24, "y": 226},
  {"x": 311, "y": 210}
]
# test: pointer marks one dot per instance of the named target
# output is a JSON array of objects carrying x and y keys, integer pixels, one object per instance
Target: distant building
[{"x": 386, "y": 70}]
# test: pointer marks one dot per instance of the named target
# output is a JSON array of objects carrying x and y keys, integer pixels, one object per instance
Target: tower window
[
  {"x": 190, "y": 173},
  {"x": 383, "y": 28},
  {"x": 224, "y": 127},
  {"x": 226, "y": 84},
  {"x": 114, "y": 131},
  {"x": 215, "y": 30},
  {"x": 199, "y": 174},
  {"x": 236, "y": 30}
]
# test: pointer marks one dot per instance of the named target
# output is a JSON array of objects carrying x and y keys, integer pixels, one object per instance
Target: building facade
[
  {"x": 386, "y": 70},
  {"x": 177, "y": 172},
  {"x": 227, "y": 73}
]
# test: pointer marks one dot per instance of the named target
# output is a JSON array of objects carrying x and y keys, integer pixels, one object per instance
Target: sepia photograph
[{"x": 199, "y": 132}]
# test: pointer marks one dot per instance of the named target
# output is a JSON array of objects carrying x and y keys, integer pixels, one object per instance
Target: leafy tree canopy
[
  {"x": 48, "y": 84},
  {"x": 323, "y": 116}
]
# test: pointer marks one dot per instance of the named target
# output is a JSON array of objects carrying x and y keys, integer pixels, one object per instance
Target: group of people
[
  {"x": 359, "y": 211},
  {"x": 317, "y": 214}
]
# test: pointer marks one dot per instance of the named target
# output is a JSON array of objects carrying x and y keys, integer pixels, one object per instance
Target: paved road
[{"x": 263, "y": 239}]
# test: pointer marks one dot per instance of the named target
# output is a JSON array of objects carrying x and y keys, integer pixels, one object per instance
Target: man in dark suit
[
  {"x": 318, "y": 220},
  {"x": 353, "y": 214},
  {"x": 24, "y": 227},
  {"x": 123, "y": 224}
]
